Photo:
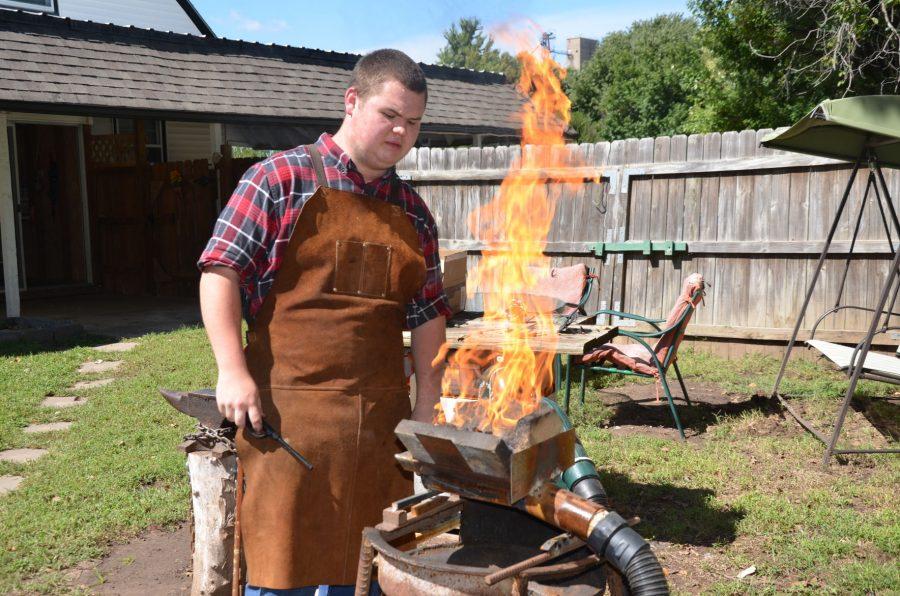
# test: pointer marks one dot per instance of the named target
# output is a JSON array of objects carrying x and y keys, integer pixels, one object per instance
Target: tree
[
  {"x": 468, "y": 47},
  {"x": 771, "y": 61},
  {"x": 640, "y": 82}
]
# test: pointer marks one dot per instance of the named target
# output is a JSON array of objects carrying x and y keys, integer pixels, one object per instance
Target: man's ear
[{"x": 351, "y": 100}]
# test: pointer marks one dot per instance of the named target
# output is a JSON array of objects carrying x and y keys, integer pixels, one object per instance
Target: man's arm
[
  {"x": 220, "y": 304},
  {"x": 427, "y": 339}
]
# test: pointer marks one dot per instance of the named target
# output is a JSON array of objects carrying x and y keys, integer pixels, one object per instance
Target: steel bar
[
  {"x": 864, "y": 351},
  {"x": 818, "y": 270},
  {"x": 534, "y": 561}
]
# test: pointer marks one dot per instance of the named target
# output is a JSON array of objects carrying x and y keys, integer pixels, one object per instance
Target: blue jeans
[{"x": 310, "y": 591}]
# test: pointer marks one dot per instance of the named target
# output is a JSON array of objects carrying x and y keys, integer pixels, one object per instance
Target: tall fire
[{"x": 495, "y": 389}]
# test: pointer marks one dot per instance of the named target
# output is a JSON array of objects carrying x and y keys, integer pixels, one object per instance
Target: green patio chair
[{"x": 641, "y": 359}]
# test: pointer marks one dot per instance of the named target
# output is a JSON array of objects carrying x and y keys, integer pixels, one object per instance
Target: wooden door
[{"x": 51, "y": 210}]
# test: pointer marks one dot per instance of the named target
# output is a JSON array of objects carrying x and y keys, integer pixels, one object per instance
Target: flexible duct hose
[
  {"x": 581, "y": 478},
  {"x": 611, "y": 537},
  {"x": 625, "y": 550}
]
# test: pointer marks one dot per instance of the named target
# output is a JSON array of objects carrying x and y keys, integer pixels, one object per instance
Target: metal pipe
[
  {"x": 817, "y": 271},
  {"x": 605, "y": 532}
]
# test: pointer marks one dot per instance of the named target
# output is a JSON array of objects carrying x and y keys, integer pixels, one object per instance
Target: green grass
[
  {"x": 741, "y": 495},
  {"x": 114, "y": 473},
  {"x": 748, "y": 490}
]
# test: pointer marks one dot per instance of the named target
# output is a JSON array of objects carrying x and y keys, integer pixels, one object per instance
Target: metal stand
[{"x": 875, "y": 180}]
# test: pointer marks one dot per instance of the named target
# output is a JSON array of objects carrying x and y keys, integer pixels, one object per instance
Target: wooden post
[
  {"x": 213, "y": 505},
  {"x": 8, "y": 226}
]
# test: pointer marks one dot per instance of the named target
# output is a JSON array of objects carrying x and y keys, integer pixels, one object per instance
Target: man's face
[{"x": 385, "y": 124}]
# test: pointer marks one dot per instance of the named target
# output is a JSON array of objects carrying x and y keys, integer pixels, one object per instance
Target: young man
[{"x": 331, "y": 256}]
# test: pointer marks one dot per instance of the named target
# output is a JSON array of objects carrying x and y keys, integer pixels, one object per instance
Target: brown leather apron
[{"x": 326, "y": 351}]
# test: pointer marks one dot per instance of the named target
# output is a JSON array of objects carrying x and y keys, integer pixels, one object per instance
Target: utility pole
[{"x": 547, "y": 43}]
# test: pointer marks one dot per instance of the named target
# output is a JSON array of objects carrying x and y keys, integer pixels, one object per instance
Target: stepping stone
[
  {"x": 9, "y": 483},
  {"x": 90, "y": 384},
  {"x": 122, "y": 346},
  {"x": 62, "y": 401},
  {"x": 100, "y": 366},
  {"x": 21, "y": 456},
  {"x": 47, "y": 428}
]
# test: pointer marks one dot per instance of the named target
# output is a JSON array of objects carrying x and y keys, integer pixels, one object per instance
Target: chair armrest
[{"x": 625, "y": 315}]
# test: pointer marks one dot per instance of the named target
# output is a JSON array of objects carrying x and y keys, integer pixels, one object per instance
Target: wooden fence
[{"x": 753, "y": 221}]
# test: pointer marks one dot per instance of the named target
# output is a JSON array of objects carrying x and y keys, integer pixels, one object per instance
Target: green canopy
[{"x": 842, "y": 128}]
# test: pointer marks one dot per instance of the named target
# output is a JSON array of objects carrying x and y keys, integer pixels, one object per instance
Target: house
[{"x": 115, "y": 138}]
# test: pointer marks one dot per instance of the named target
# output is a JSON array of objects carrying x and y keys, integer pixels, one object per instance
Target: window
[
  {"x": 33, "y": 5},
  {"x": 153, "y": 131}
]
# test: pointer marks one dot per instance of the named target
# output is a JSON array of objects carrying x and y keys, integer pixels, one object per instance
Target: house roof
[{"x": 58, "y": 65}]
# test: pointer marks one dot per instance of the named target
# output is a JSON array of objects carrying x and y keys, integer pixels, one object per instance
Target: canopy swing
[{"x": 865, "y": 131}]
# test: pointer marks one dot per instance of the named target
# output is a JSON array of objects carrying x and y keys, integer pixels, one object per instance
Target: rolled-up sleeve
[
  {"x": 431, "y": 301},
  {"x": 244, "y": 229}
]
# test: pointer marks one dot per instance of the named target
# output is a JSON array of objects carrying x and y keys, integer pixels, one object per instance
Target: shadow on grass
[
  {"x": 698, "y": 416},
  {"x": 672, "y": 513},
  {"x": 882, "y": 413},
  {"x": 25, "y": 348}
]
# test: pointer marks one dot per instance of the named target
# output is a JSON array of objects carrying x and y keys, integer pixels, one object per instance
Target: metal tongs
[{"x": 269, "y": 432}]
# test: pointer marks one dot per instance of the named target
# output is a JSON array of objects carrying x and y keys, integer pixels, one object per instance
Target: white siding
[
  {"x": 162, "y": 15},
  {"x": 188, "y": 140}
]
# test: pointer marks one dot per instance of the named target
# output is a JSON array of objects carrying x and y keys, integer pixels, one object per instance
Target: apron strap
[{"x": 317, "y": 165}]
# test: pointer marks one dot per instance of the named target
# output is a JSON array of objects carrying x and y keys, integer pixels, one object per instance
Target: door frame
[{"x": 77, "y": 122}]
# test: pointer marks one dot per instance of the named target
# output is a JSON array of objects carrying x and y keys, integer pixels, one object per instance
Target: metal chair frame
[
  {"x": 641, "y": 337},
  {"x": 881, "y": 316}
]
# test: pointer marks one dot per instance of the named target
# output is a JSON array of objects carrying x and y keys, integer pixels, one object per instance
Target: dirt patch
[
  {"x": 156, "y": 562},
  {"x": 690, "y": 568},
  {"x": 636, "y": 410}
]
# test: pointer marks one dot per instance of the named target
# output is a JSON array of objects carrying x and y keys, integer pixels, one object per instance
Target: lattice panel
[{"x": 112, "y": 150}]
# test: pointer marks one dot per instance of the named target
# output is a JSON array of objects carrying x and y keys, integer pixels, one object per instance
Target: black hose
[
  {"x": 625, "y": 550},
  {"x": 590, "y": 488}
]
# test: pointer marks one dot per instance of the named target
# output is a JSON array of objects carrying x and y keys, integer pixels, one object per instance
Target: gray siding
[
  {"x": 188, "y": 140},
  {"x": 162, "y": 15}
]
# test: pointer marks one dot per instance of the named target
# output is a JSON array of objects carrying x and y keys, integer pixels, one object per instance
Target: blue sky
[{"x": 414, "y": 26}]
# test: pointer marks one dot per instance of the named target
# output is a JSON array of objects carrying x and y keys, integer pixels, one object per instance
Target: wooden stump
[{"x": 213, "y": 481}]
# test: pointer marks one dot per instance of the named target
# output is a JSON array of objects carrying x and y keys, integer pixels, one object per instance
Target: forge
[
  {"x": 496, "y": 519},
  {"x": 497, "y": 469}
]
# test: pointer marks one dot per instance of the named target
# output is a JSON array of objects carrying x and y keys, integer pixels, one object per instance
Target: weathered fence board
[{"x": 754, "y": 221}]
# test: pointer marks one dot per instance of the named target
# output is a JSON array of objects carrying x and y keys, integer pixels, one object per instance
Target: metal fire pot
[{"x": 515, "y": 471}]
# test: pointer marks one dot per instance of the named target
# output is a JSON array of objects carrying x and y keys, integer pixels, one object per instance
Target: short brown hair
[{"x": 380, "y": 66}]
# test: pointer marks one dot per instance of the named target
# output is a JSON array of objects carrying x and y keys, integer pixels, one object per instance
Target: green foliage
[
  {"x": 770, "y": 62},
  {"x": 639, "y": 83},
  {"x": 468, "y": 47},
  {"x": 742, "y": 64}
]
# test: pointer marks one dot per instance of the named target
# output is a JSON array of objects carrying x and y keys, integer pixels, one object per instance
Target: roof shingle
[{"x": 57, "y": 64}]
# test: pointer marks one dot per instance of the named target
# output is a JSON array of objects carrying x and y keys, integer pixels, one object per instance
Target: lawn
[
  {"x": 116, "y": 472},
  {"x": 745, "y": 490}
]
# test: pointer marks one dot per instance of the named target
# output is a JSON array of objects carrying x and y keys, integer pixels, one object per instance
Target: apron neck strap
[{"x": 317, "y": 164}]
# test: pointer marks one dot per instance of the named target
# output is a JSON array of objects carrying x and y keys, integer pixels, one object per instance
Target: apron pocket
[{"x": 362, "y": 268}]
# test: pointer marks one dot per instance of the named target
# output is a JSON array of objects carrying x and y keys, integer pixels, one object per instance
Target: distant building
[{"x": 580, "y": 50}]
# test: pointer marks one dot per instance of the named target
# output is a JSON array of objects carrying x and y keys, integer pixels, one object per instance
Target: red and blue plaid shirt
[{"x": 254, "y": 228}]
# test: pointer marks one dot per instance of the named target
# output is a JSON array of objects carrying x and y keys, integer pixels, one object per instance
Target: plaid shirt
[{"x": 254, "y": 228}]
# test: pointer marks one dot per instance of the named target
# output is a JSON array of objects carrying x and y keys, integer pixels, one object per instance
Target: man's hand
[
  {"x": 238, "y": 399},
  {"x": 220, "y": 303}
]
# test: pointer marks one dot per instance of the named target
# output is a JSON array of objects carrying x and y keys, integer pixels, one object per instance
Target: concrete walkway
[
  {"x": 117, "y": 316},
  {"x": 26, "y": 455}
]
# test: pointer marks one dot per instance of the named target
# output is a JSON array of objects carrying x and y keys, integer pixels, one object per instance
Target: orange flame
[{"x": 508, "y": 384}]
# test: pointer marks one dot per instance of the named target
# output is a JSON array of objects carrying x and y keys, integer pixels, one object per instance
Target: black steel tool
[
  {"x": 271, "y": 433},
  {"x": 202, "y": 406}
]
